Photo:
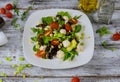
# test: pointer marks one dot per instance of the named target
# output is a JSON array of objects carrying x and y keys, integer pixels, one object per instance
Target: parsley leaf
[{"x": 102, "y": 31}]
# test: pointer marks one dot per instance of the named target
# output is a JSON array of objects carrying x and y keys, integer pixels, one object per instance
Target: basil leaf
[
  {"x": 64, "y": 14},
  {"x": 77, "y": 28},
  {"x": 47, "y": 20}
]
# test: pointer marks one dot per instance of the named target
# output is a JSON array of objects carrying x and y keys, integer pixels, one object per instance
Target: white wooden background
[{"x": 104, "y": 66}]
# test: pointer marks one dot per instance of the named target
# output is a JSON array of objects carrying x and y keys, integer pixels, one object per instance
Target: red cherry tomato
[
  {"x": 40, "y": 53},
  {"x": 54, "y": 25},
  {"x": 116, "y": 37},
  {"x": 2, "y": 11},
  {"x": 9, "y": 14},
  {"x": 68, "y": 27},
  {"x": 75, "y": 79},
  {"x": 9, "y": 6},
  {"x": 55, "y": 42}
]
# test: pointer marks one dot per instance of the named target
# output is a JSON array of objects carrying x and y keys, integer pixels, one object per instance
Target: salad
[{"x": 60, "y": 36}]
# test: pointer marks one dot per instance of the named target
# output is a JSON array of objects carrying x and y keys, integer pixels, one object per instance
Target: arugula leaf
[
  {"x": 35, "y": 38},
  {"x": 35, "y": 49},
  {"x": 105, "y": 45},
  {"x": 77, "y": 17},
  {"x": 25, "y": 13},
  {"x": 62, "y": 13},
  {"x": 46, "y": 40},
  {"x": 68, "y": 54},
  {"x": 102, "y": 31},
  {"x": 47, "y": 20},
  {"x": 78, "y": 28}
]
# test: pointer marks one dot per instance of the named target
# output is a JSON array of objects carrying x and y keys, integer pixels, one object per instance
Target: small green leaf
[
  {"x": 21, "y": 59},
  {"x": 105, "y": 45},
  {"x": 102, "y": 31},
  {"x": 14, "y": 21},
  {"x": 77, "y": 17},
  {"x": 47, "y": 20},
  {"x": 1, "y": 80},
  {"x": 34, "y": 30},
  {"x": 78, "y": 28},
  {"x": 62, "y": 13},
  {"x": 8, "y": 58}
]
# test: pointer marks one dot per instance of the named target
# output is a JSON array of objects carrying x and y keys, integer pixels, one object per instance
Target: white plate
[{"x": 79, "y": 60}]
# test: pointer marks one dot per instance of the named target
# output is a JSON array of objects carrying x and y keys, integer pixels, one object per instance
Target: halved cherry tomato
[
  {"x": 40, "y": 53},
  {"x": 73, "y": 21},
  {"x": 54, "y": 25},
  {"x": 9, "y": 14},
  {"x": 68, "y": 27},
  {"x": 2, "y": 11},
  {"x": 116, "y": 37},
  {"x": 55, "y": 42},
  {"x": 75, "y": 79},
  {"x": 48, "y": 32},
  {"x": 9, "y": 6}
]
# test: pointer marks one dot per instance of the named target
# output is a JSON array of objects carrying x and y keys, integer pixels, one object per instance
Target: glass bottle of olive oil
[{"x": 88, "y": 6}]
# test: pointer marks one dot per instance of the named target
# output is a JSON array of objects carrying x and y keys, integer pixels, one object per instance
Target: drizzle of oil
[{"x": 88, "y": 6}]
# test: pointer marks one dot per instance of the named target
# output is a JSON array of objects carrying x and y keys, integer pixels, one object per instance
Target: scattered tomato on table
[
  {"x": 6, "y": 10},
  {"x": 116, "y": 37},
  {"x": 9, "y": 6},
  {"x": 75, "y": 79},
  {"x": 2, "y": 10}
]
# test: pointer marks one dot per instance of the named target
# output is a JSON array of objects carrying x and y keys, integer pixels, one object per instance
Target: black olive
[
  {"x": 41, "y": 25},
  {"x": 53, "y": 52},
  {"x": 47, "y": 49},
  {"x": 41, "y": 42},
  {"x": 60, "y": 17},
  {"x": 2, "y": 22}
]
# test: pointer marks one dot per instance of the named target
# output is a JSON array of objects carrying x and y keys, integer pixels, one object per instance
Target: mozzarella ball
[
  {"x": 60, "y": 54},
  {"x": 66, "y": 43},
  {"x": 63, "y": 31}
]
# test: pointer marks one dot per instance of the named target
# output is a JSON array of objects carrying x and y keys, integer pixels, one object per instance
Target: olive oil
[{"x": 88, "y": 6}]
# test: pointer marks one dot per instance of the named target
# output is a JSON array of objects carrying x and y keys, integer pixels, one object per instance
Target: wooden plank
[
  {"x": 43, "y": 4},
  {"x": 104, "y": 62},
  {"x": 83, "y": 79}
]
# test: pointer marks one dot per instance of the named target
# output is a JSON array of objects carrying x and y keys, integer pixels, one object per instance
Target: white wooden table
[{"x": 104, "y": 66}]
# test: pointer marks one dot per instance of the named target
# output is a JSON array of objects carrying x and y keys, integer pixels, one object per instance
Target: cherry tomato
[
  {"x": 9, "y": 14},
  {"x": 68, "y": 27},
  {"x": 48, "y": 32},
  {"x": 54, "y": 25},
  {"x": 116, "y": 37},
  {"x": 2, "y": 11},
  {"x": 40, "y": 53},
  {"x": 73, "y": 21},
  {"x": 55, "y": 42},
  {"x": 9, "y": 6},
  {"x": 75, "y": 79}
]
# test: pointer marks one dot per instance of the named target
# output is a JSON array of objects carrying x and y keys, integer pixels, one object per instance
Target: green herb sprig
[
  {"x": 102, "y": 31},
  {"x": 105, "y": 45}
]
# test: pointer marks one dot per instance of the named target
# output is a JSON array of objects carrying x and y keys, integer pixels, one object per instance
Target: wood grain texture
[{"x": 104, "y": 66}]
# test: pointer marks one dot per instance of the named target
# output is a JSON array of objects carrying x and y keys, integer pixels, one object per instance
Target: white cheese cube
[
  {"x": 60, "y": 54},
  {"x": 63, "y": 31},
  {"x": 66, "y": 43}
]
